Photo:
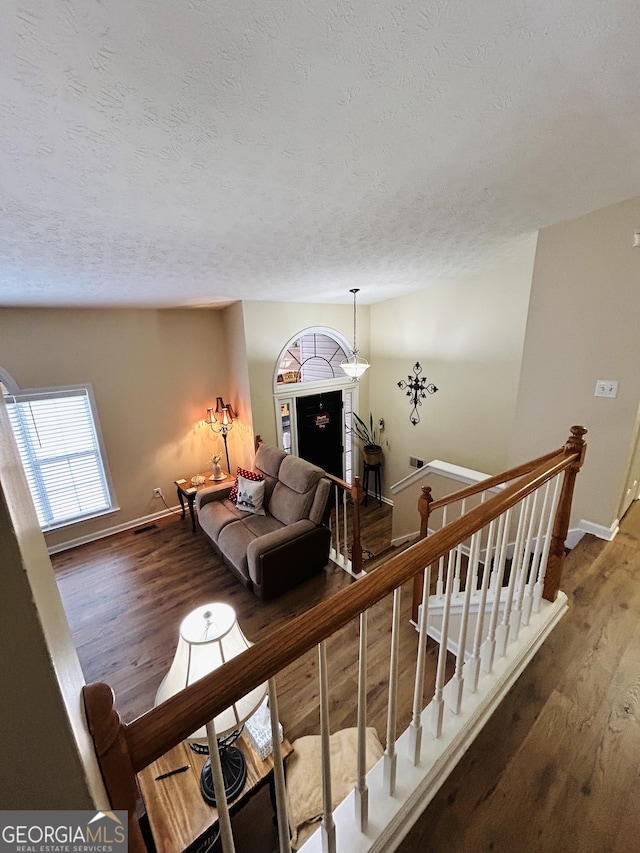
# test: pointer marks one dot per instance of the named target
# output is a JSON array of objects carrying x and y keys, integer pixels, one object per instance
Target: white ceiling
[{"x": 193, "y": 152}]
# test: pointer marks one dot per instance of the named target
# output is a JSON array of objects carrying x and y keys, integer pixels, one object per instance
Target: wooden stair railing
[
  {"x": 125, "y": 749},
  {"x": 575, "y": 446}
]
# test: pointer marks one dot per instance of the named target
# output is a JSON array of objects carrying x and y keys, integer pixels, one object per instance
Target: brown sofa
[{"x": 274, "y": 552}]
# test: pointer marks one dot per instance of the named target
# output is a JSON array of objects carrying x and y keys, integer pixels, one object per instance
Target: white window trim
[{"x": 21, "y": 395}]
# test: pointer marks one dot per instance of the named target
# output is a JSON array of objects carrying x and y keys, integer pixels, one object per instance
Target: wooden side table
[
  {"x": 187, "y": 491},
  {"x": 178, "y": 816},
  {"x": 377, "y": 486}
]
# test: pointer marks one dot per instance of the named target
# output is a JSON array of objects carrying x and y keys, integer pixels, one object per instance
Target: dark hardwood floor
[
  {"x": 125, "y": 597},
  {"x": 557, "y": 768}
]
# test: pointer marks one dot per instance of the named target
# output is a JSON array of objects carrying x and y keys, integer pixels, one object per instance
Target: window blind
[{"x": 58, "y": 444}]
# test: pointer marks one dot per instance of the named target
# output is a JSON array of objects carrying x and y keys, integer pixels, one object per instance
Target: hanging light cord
[{"x": 354, "y": 291}]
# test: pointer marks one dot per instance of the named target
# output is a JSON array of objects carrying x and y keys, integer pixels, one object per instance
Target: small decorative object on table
[
  {"x": 216, "y": 471},
  {"x": 258, "y": 730},
  {"x": 198, "y": 480}
]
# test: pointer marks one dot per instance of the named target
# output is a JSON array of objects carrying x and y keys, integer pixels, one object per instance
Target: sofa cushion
[
  {"x": 234, "y": 539},
  {"x": 214, "y": 516},
  {"x": 293, "y": 495},
  {"x": 269, "y": 459},
  {"x": 298, "y": 474}
]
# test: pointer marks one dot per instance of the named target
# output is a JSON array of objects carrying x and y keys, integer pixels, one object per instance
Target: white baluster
[
  {"x": 502, "y": 634},
  {"x": 437, "y": 703},
  {"x": 527, "y": 602},
  {"x": 361, "y": 789},
  {"x": 278, "y": 772},
  {"x": 494, "y": 566},
  {"x": 415, "y": 729},
  {"x": 483, "y": 497},
  {"x": 390, "y": 757},
  {"x": 523, "y": 569},
  {"x": 472, "y": 666},
  {"x": 440, "y": 581},
  {"x": 537, "y": 595},
  {"x": 328, "y": 828},
  {"x": 456, "y": 579},
  {"x": 456, "y": 685},
  {"x": 489, "y": 646},
  {"x": 536, "y": 566},
  {"x": 224, "y": 820}
]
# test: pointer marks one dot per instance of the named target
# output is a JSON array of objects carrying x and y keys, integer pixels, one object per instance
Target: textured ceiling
[{"x": 199, "y": 151}]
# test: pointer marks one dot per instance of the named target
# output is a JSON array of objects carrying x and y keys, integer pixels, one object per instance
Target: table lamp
[{"x": 209, "y": 637}]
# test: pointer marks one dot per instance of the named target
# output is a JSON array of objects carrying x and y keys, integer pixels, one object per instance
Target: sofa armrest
[
  {"x": 283, "y": 558},
  {"x": 276, "y": 539},
  {"x": 213, "y": 493}
]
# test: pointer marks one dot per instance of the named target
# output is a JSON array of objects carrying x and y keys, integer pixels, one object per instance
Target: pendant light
[{"x": 355, "y": 365}]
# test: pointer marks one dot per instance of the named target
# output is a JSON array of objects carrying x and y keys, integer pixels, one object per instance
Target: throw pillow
[
  {"x": 248, "y": 475},
  {"x": 250, "y": 495}
]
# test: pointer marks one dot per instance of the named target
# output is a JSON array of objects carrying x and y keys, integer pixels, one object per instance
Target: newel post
[
  {"x": 109, "y": 739},
  {"x": 424, "y": 508},
  {"x": 576, "y": 445}
]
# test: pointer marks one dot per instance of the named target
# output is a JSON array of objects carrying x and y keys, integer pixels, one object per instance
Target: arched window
[{"x": 313, "y": 356}]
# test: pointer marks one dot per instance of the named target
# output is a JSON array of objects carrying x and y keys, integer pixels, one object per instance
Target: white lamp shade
[
  {"x": 355, "y": 365},
  {"x": 209, "y": 637}
]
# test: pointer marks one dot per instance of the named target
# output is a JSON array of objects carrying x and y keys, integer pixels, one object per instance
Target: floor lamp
[
  {"x": 209, "y": 637},
  {"x": 221, "y": 420}
]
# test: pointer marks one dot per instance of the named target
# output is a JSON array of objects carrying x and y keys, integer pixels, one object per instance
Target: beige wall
[
  {"x": 241, "y": 438},
  {"x": 583, "y": 325},
  {"x": 153, "y": 374},
  {"x": 468, "y": 337}
]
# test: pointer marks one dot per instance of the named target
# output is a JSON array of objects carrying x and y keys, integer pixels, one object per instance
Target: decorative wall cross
[{"x": 417, "y": 389}]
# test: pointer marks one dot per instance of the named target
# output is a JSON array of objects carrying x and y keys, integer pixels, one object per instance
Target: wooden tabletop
[
  {"x": 207, "y": 482},
  {"x": 178, "y": 815}
]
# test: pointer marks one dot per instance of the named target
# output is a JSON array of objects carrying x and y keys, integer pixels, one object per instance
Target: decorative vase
[
  {"x": 217, "y": 473},
  {"x": 372, "y": 454}
]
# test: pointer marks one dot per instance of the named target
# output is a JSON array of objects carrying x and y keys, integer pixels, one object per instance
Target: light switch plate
[{"x": 606, "y": 388}]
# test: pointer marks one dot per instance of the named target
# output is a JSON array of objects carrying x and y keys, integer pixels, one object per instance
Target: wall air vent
[{"x": 414, "y": 462}]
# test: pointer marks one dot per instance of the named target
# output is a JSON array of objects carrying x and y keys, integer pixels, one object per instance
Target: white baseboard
[
  {"x": 599, "y": 530},
  {"x": 400, "y": 540},
  {"x": 110, "y": 531},
  {"x": 573, "y": 537}
]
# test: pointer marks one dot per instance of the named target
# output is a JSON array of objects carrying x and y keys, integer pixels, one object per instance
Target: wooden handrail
[
  {"x": 496, "y": 480},
  {"x": 125, "y": 749}
]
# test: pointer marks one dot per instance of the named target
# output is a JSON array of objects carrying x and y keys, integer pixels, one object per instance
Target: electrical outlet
[
  {"x": 157, "y": 493},
  {"x": 606, "y": 388}
]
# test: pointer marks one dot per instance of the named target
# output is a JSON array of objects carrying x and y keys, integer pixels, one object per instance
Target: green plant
[{"x": 368, "y": 434}]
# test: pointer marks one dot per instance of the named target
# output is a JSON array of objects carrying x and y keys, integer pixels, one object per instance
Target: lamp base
[{"x": 234, "y": 773}]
